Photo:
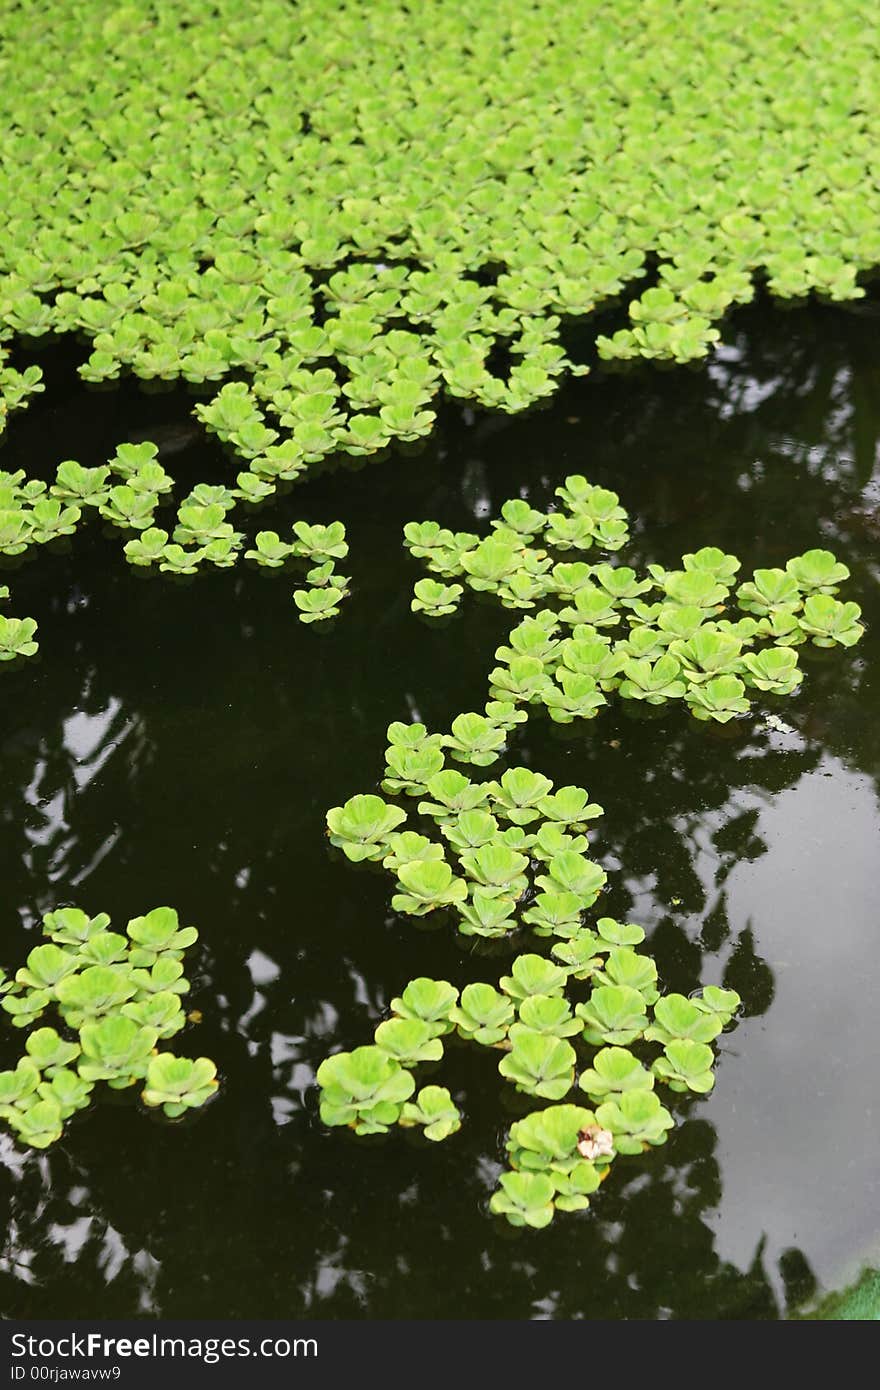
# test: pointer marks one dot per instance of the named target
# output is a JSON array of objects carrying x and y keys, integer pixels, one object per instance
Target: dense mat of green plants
[{"x": 325, "y": 216}]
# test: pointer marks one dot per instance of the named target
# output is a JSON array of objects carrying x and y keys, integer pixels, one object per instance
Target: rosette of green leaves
[
  {"x": 829, "y": 622},
  {"x": 653, "y": 681},
  {"x": 708, "y": 653},
  {"x": 531, "y": 974},
  {"x": 624, "y": 966},
  {"x": 693, "y": 588},
  {"x": 50, "y": 519},
  {"x": 269, "y": 550},
  {"x": 179, "y": 1083},
  {"x": 817, "y": 572},
  {"x": 636, "y": 1119},
  {"x": 474, "y": 739},
  {"x": 555, "y": 914},
  {"x": 423, "y": 537},
  {"x": 686, "y": 1066},
  {"x": 592, "y": 656},
  {"x": 46, "y": 966},
  {"x": 408, "y": 1041},
  {"x": 518, "y": 516},
  {"x": 711, "y": 560},
  {"x": 775, "y": 669},
  {"x": 614, "y": 1071},
  {"x": 412, "y": 736},
  {"x": 487, "y": 913},
  {"x": 574, "y": 697},
  {"x": 361, "y": 828},
  {"x": 163, "y": 977},
  {"x": 365, "y": 1089},
  {"x": 769, "y": 591},
  {"x": 550, "y": 840},
  {"x": 569, "y": 807},
  {"x": 409, "y": 770},
  {"x": 319, "y": 543},
  {"x": 148, "y": 548},
  {"x": 721, "y": 1003},
  {"x": 547, "y": 1140},
  {"x": 570, "y": 532},
  {"x": 87, "y": 487},
  {"x": 538, "y": 1064},
  {"x": 409, "y": 847},
  {"x": 498, "y": 870},
  {"x": 581, "y": 953},
  {"x": 523, "y": 681},
  {"x": 449, "y": 793},
  {"x": 546, "y": 1013},
  {"x": 116, "y": 1050},
  {"x": 592, "y": 606},
  {"x": 533, "y": 637},
  {"x": 433, "y": 1109},
  {"x": 161, "y": 1012},
  {"x": 613, "y": 1014},
  {"x": 18, "y": 1088},
  {"x": 517, "y": 795},
  {"x": 720, "y": 699},
  {"x": 317, "y": 605},
  {"x": 570, "y": 872},
  {"x": 471, "y": 830},
  {"x": 482, "y": 1015},
  {"x": 435, "y": 600},
  {"x": 428, "y": 1001},
  {"x": 620, "y": 583},
  {"x": 676, "y": 1017},
  {"x": 525, "y": 1199},
  {"x": 49, "y": 1052},
  {"x": 17, "y": 638},
  {"x": 158, "y": 933},
  {"x": 66, "y": 1089},
  {"x": 491, "y": 561},
  {"x": 94, "y": 992},
  {"x": 39, "y": 1123},
  {"x": 428, "y": 885}
]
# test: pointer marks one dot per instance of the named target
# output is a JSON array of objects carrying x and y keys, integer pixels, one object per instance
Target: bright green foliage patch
[
  {"x": 594, "y": 628},
  {"x": 323, "y": 233},
  {"x": 103, "y": 1002},
  {"x": 32, "y": 515}
]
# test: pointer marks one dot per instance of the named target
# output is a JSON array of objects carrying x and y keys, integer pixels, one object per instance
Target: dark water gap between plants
[{"x": 180, "y": 742}]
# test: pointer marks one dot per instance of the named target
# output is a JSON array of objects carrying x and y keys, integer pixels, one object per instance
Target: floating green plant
[{"x": 114, "y": 997}]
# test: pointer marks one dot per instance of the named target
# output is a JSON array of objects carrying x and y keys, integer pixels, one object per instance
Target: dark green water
[{"x": 180, "y": 742}]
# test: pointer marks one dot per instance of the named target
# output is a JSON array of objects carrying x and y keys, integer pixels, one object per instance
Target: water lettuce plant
[{"x": 112, "y": 997}]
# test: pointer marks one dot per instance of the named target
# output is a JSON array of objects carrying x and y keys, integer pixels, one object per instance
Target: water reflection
[{"x": 180, "y": 743}]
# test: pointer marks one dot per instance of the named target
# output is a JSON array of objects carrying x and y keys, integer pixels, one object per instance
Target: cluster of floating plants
[
  {"x": 505, "y": 857},
  {"x": 112, "y": 999},
  {"x": 509, "y": 855},
  {"x": 597, "y": 629},
  {"x": 126, "y": 494},
  {"x": 322, "y": 234}
]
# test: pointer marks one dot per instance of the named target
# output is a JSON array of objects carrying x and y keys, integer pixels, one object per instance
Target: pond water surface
[{"x": 180, "y": 742}]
